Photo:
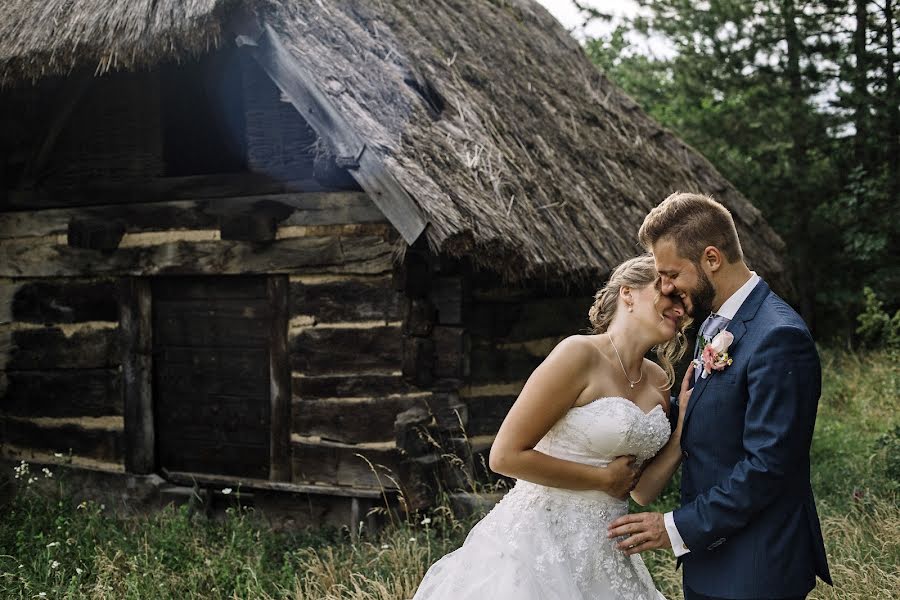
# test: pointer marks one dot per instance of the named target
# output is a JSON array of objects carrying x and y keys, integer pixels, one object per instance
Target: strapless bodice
[
  {"x": 540, "y": 542},
  {"x": 598, "y": 432}
]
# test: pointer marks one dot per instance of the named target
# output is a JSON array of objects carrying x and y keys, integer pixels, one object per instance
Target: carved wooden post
[
  {"x": 137, "y": 374},
  {"x": 280, "y": 383}
]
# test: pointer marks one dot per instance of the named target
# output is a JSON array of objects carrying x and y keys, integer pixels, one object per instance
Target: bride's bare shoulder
[
  {"x": 577, "y": 348},
  {"x": 582, "y": 344}
]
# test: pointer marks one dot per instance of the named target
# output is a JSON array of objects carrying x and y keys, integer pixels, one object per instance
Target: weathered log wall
[
  {"x": 376, "y": 357},
  {"x": 62, "y": 348},
  {"x": 60, "y": 384},
  {"x": 511, "y": 331},
  {"x": 92, "y": 208}
]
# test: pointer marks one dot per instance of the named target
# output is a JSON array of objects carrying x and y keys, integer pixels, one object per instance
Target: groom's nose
[{"x": 666, "y": 286}]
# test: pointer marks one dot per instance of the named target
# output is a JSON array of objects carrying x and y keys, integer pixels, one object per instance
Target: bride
[{"x": 589, "y": 427}]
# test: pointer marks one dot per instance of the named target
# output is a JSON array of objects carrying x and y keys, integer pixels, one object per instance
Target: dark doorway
[{"x": 211, "y": 374}]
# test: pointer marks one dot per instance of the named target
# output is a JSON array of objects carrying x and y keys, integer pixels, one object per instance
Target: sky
[{"x": 566, "y": 13}]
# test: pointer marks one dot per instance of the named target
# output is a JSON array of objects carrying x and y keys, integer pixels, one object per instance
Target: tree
[{"x": 791, "y": 101}]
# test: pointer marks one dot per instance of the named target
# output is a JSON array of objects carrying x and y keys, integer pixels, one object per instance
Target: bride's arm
[
  {"x": 659, "y": 471},
  {"x": 551, "y": 390}
]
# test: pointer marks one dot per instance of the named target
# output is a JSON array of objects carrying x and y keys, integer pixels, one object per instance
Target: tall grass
[{"x": 53, "y": 547}]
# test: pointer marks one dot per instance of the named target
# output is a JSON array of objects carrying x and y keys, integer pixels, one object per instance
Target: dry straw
[{"x": 520, "y": 152}]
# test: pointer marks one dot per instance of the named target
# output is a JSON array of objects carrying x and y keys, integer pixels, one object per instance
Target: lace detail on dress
[{"x": 543, "y": 542}]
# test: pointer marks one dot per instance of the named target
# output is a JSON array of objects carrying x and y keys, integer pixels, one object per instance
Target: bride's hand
[
  {"x": 621, "y": 475},
  {"x": 684, "y": 395}
]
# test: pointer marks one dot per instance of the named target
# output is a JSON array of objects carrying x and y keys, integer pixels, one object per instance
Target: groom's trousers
[{"x": 690, "y": 594}]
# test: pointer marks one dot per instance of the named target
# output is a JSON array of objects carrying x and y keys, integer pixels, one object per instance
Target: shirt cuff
[{"x": 678, "y": 545}]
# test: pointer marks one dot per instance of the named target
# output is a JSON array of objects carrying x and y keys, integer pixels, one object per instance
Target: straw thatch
[{"x": 520, "y": 153}]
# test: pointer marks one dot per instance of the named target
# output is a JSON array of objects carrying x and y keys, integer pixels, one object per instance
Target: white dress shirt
[{"x": 728, "y": 309}]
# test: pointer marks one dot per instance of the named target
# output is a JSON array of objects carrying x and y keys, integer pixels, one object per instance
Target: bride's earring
[{"x": 630, "y": 308}]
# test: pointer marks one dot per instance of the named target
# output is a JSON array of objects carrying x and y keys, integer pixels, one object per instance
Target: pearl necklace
[{"x": 633, "y": 383}]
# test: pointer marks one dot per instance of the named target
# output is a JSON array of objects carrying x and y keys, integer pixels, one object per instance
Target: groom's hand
[{"x": 645, "y": 531}]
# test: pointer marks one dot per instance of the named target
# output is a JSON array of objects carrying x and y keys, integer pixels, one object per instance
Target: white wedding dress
[{"x": 545, "y": 543}]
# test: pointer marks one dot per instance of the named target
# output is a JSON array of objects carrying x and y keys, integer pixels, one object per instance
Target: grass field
[{"x": 57, "y": 547}]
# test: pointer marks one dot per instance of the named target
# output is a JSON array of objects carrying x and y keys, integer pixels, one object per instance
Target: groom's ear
[{"x": 712, "y": 258}]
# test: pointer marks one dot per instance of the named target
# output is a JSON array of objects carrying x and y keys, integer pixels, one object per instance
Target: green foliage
[
  {"x": 772, "y": 93},
  {"x": 54, "y": 546},
  {"x": 876, "y": 327},
  {"x": 889, "y": 446}
]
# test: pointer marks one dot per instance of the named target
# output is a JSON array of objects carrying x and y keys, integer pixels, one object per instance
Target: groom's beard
[{"x": 702, "y": 298}]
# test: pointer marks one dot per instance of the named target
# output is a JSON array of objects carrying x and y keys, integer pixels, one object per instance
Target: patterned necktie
[{"x": 708, "y": 330}]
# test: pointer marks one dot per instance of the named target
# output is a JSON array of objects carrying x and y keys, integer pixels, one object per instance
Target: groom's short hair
[{"x": 692, "y": 222}]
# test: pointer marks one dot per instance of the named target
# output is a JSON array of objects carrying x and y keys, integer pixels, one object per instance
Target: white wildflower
[
  {"x": 52, "y": 544},
  {"x": 31, "y": 480},
  {"x": 21, "y": 470},
  {"x": 58, "y": 454},
  {"x": 47, "y": 473},
  {"x": 412, "y": 539},
  {"x": 54, "y": 564},
  {"x": 79, "y": 570},
  {"x": 384, "y": 546},
  {"x": 82, "y": 505},
  {"x": 42, "y": 595},
  {"x": 226, "y": 491},
  {"x": 426, "y": 520}
]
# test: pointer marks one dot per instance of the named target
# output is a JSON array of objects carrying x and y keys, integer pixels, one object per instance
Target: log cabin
[{"x": 305, "y": 248}]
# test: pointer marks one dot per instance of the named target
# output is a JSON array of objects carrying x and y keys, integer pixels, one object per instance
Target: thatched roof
[{"x": 518, "y": 150}]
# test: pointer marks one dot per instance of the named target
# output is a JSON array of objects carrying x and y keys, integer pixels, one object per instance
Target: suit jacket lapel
[
  {"x": 738, "y": 328},
  {"x": 699, "y": 386}
]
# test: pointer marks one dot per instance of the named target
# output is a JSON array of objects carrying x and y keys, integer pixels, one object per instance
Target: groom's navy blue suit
[{"x": 747, "y": 512}]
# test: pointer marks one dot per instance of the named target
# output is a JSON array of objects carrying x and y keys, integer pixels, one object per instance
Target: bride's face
[{"x": 660, "y": 314}]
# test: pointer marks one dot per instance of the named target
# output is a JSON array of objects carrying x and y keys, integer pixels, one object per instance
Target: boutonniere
[{"x": 715, "y": 354}]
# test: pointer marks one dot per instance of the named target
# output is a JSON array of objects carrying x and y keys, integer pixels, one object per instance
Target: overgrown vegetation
[
  {"x": 57, "y": 546},
  {"x": 798, "y": 105}
]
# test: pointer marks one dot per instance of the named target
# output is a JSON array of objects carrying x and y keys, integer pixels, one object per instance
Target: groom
[{"x": 747, "y": 525}]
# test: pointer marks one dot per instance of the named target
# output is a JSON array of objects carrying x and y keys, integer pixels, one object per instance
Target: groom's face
[{"x": 682, "y": 277}]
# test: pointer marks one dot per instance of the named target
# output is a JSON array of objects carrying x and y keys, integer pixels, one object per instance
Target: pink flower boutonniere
[{"x": 715, "y": 354}]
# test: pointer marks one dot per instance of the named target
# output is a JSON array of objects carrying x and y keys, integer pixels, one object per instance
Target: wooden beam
[
  {"x": 319, "y": 350},
  {"x": 59, "y": 301},
  {"x": 279, "y": 382},
  {"x": 515, "y": 320},
  {"x": 41, "y": 348},
  {"x": 315, "y": 254},
  {"x": 137, "y": 375},
  {"x": 346, "y": 300},
  {"x": 100, "y": 443},
  {"x": 353, "y": 384},
  {"x": 63, "y": 393},
  {"x": 363, "y": 163},
  {"x": 358, "y": 466},
  {"x": 353, "y": 420},
  {"x": 301, "y": 209},
  {"x": 246, "y": 483}
]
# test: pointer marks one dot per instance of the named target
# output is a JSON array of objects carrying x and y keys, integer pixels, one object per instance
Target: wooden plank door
[{"x": 212, "y": 339}]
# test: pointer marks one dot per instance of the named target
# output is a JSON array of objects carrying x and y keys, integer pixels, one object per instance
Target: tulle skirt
[{"x": 542, "y": 543}]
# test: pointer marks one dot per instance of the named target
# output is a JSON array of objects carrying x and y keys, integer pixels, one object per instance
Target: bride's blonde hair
[{"x": 637, "y": 273}]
